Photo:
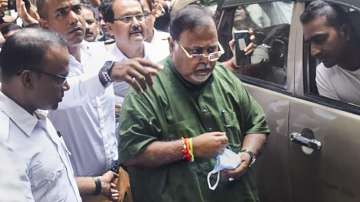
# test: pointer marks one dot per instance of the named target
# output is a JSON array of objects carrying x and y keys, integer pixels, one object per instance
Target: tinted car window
[
  {"x": 333, "y": 84},
  {"x": 271, "y": 25}
]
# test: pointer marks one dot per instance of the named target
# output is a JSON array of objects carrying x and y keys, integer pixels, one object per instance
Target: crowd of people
[{"x": 184, "y": 116}]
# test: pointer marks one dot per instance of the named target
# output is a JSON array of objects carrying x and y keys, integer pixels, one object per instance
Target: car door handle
[{"x": 300, "y": 139}]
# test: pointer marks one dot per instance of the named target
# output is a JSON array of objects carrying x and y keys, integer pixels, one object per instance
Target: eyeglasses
[
  {"x": 60, "y": 79},
  {"x": 212, "y": 56},
  {"x": 130, "y": 18},
  {"x": 147, "y": 14}
]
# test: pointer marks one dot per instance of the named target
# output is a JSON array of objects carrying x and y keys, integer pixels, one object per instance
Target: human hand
[
  {"x": 208, "y": 145},
  {"x": 249, "y": 48},
  {"x": 241, "y": 169},
  {"x": 3, "y": 5},
  {"x": 107, "y": 189},
  {"x": 116, "y": 196},
  {"x": 29, "y": 16},
  {"x": 122, "y": 184},
  {"x": 136, "y": 72}
]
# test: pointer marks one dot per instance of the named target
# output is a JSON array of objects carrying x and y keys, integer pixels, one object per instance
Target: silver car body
[{"x": 288, "y": 171}]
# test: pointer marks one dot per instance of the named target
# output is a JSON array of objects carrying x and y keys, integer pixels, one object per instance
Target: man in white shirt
[
  {"x": 333, "y": 41},
  {"x": 11, "y": 188},
  {"x": 126, "y": 22},
  {"x": 34, "y": 66},
  {"x": 156, "y": 38},
  {"x": 86, "y": 117},
  {"x": 92, "y": 31}
]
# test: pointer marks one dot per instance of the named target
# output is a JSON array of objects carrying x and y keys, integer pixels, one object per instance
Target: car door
[
  {"x": 287, "y": 170},
  {"x": 274, "y": 93},
  {"x": 326, "y": 170}
]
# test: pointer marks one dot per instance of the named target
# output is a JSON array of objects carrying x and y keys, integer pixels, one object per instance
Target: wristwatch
[
  {"x": 252, "y": 156},
  {"x": 105, "y": 73}
]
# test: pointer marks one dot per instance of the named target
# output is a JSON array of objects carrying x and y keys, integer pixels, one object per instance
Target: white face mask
[{"x": 225, "y": 161}]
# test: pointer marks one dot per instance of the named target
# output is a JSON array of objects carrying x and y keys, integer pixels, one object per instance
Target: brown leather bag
[{"x": 123, "y": 187}]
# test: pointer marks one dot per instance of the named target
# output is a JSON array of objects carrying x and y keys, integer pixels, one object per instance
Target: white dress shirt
[
  {"x": 86, "y": 117},
  {"x": 160, "y": 42},
  {"x": 121, "y": 88},
  {"x": 42, "y": 154}
]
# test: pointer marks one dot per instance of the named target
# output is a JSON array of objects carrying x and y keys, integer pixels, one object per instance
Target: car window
[
  {"x": 271, "y": 25},
  {"x": 324, "y": 77}
]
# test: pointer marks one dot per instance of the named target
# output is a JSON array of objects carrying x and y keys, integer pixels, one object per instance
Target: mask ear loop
[{"x": 213, "y": 187}]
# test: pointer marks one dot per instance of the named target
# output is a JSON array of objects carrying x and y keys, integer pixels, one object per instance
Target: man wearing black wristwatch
[{"x": 86, "y": 117}]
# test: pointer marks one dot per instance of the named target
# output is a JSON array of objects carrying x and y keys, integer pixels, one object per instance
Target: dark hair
[
  {"x": 336, "y": 16},
  {"x": 150, "y": 3},
  {"x": 89, "y": 8},
  {"x": 188, "y": 18},
  {"x": 9, "y": 27},
  {"x": 106, "y": 9},
  {"x": 40, "y": 5},
  {"x": 26, "y": 49}
]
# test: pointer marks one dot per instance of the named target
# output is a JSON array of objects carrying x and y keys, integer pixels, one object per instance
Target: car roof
[{"x": 232, "y": 3}]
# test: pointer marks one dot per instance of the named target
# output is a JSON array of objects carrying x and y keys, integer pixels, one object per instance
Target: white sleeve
[
  {"x": 323, "y": 83},
  {"x": 81, "y": 88}
]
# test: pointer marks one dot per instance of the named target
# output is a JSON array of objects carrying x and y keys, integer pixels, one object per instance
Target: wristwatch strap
[
  {"x": 105, "y": 73},
  {"x": 252, "y": 156}
]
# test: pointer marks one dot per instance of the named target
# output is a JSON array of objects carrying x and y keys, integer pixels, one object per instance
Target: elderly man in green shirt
[{"x": 171, "y": 133}]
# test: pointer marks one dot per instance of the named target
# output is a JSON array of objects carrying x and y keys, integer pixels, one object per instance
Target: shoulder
[
  {"x": 160, "y": 35},
  {"x": 225, "y": 75},
  {"x": 95, "y": 48},
  {"x": 162, "y": 82},
  {"x": 4, "y": 126}
]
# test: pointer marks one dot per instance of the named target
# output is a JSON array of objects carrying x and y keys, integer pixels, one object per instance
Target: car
[{"x": 313, "y": 151}]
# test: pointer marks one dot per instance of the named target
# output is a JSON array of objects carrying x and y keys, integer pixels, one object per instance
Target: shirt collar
[
  {"x": 119, "y": 55},
  {"x": 25, "y": 121},
  {"x": 159, "y": 35},
  {"x": 186, "y": 83}
]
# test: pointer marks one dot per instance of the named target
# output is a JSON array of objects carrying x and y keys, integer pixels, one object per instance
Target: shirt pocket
[{"x": 44, "y": 174}]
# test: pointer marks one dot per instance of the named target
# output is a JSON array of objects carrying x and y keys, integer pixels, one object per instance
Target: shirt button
[{"x": 204, "y": 110}]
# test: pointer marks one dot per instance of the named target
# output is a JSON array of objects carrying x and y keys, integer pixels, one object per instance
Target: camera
[
  {"x": 12, "y": 4},
  {"x": 242, "y": 40}
]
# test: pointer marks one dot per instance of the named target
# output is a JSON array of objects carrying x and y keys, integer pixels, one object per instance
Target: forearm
[
  {"x": 254, "y": 142},
  {"x": 158, "y": 153},
  {"x": 86, "y": 185}
]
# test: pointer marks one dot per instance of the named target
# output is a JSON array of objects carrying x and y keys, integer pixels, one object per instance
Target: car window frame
[
  {"x": 310, "y": 96},
  {"x": 227, "y": 11}
]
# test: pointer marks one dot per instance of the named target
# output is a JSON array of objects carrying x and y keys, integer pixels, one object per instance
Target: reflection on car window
[
  {"x": 334, "y": 70},
  {"x": 271, "y": 25}
]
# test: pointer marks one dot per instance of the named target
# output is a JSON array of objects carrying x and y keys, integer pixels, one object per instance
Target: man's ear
[
  {"x": 110, "y": 28},
  {"x": 171, "y": 44},
  {"x": 27, "y": 79},
  {"x": 44, "y": 23},
  {"x": 345, "y": 32}
]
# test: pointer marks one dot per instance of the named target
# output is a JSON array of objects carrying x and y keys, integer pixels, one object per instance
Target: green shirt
[{"x": 174, "y": 108}]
